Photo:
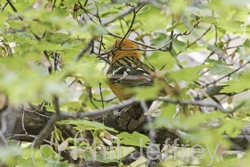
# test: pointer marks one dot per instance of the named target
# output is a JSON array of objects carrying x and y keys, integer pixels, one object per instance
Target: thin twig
[
  {"x": 23, "y": 126},
  {"x": 4, "y": 6},
  {"x": 92, "y": 102},
  {"x": 227, "y": 75},
  {"x": 3, "y": 142},
  {"x": 123, "y": 15},
  {"x": 201, "y": 103},
  {"x": 13, "y": 136},
  {"x": 102, "y": 100},
  {"x": 100, "y": 46},
  {"x": 50, "y": 70},
  {"x": 49, "y": 127},
  {"x": 86, "y": 2},
  {"x": 139, "y": 43},
  {"x": 211, "y": 47},
  {"x": 199, "y": 37},
  {"x": 13, "y": 8},
  {"x": 56, "y": 105},
  {"x": 141, "y": 6},
  {"x": 65, "y": 115},
  {"x": 53, "y": 5},
  {"x": 130, "y": 27},
  {"x": 100, "y": 89},
  {"x": 34, "y": 111},
  {"x": 90, "y": 95}
]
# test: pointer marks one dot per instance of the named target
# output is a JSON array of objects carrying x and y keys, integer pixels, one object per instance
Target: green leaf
[
  {"x": 60, "y": 11},
  {"x": 244, "y": 50},
  {"x": 218, "y": 67},
  {"x": 237, "y": 85},
  {"x": 179, "y": 45},
  {"x": 180, "y": 26},
  {"x": 232, "y": 127},
  {"x": 153, "y": 19},
  {"x": 234, "y": 86},
  {"x": 97, "y": 29},
  {"x": 160, "y": 39},
  {"x": 147, "y": 93},
  {"x": 178, "y": 6},
  {"x": 23, "y": 4},
  {"x": 161, "y": 59},
  {"x": 134, "y": 139},
  {"x": 69, "y": 2},
  {"x": 187, "y": 74},
  {"x": 168, "y": 111},
  {"x": 9, "y": 155},
  {"x": 221, "y": 68}
]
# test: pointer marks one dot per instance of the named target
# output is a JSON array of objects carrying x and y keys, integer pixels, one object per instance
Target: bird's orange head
[{"x": 126, "y": 48}]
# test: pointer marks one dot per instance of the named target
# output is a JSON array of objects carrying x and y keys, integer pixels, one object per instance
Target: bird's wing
[{"x": 130, "y": 72}]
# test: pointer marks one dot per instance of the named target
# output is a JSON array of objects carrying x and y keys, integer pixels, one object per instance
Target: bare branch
[
  {"x": 56, "y": 105},
  {"x": 201, "y": 103},
  {"x": 65, "y": 115}
]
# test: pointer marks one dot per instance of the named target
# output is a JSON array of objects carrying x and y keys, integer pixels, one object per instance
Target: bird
[{"x": 127, "y": 71}]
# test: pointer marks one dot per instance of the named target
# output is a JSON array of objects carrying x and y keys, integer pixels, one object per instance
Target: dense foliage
[{"x": 54, "y": 55}]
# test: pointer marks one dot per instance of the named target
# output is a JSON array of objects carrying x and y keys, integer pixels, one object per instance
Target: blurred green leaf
[
  {"x": 9, "y": 154},
  {"x": 97, "y": 29},
  {"x": 244, "y": 50},
  {"x": 232, "y": 127},
  {"x": 187, "y": 74},
  {"x": 134, "y": 139},
  {"x": 148, "y": 18},
  {"x": 160, "y": 39},
  {"x": 237, "y": 85},
  {"x": 218, "y": 67},
  {"x": 162, "y": 59},
  {"x": 147, "y": 93},
  {"x": 179, "y": 45},
  {"x": 65, "y": 28}
]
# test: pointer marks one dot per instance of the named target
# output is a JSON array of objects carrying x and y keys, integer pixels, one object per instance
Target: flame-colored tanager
[{"x": 127, "y": 70}]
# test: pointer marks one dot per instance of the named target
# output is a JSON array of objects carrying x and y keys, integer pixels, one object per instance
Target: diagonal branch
[
  {"x": 130, "y": 27},
  {"x": 65, "y": 115},
  {"x": 49, "y": 127},
  {"x": 201, "y": 103},
  {"x": 124, "y": 14}
]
